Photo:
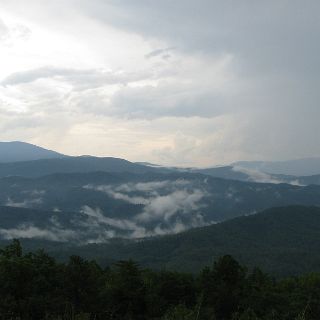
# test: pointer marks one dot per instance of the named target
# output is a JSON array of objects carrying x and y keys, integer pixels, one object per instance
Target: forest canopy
[{"x": 36, "y": 286}]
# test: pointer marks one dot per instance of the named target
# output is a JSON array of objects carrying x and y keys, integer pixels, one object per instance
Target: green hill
[{"x": 283, "y": 241}]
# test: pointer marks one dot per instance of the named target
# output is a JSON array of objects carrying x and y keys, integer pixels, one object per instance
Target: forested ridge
[
  {"x": 281, "y": 241},
  {"x": 36, "y": 286}
]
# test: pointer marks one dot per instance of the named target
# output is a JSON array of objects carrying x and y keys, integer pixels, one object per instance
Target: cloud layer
[
  {"x": 167, "y": 207},
  {"x": 180, "y": 83}
]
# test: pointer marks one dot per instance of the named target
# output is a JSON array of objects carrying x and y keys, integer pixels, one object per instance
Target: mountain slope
[
  {"x": 161, "y": 203},
  {"x": 254, "y": 175},
  {"x": 21, "y": 151},
  {"x": 242, "y": 174},
  {"x": 282, "y": 241},
  {"x": 82, "y": 164},
  {"x": 299, "y": 167},
  {"x": 24, "y": 159}
]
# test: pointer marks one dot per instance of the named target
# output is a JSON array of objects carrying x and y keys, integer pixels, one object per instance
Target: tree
[
  {"x": 222, "y": 286},
  {"x": 83, "y": 283},
  {"x": 125, "y": 291}
]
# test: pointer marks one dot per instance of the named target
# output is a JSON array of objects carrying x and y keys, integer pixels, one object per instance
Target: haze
[{"x": 190, "y": 83}]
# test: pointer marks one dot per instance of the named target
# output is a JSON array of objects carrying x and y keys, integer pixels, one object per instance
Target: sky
[{"x": 173, "y": 82}]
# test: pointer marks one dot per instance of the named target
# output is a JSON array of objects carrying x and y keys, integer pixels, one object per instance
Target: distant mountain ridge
[
  {"x": 254, "y": 175},
  {"x": 298, "y": 167},
  {"x": 103, "y": 205},
  {"x": 247, "y": 172},
  {"x": 16, "y": 151},
  {"x": 82, "y": 164},
  {"x": 24, "y": 159}
]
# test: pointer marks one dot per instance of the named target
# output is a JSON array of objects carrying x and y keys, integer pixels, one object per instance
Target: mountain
[
  {"x": 98, "y": 206},
  {"x": 299, "y": 167},
  {"x": 253, "y": 175},
  {"x": 82, "y": 164},
  {"x": 24, "y": 159},
  {"x": 20, "y": 151},
  {"x": 283, "y": 241},
  {"x": 242, "y": 173}
]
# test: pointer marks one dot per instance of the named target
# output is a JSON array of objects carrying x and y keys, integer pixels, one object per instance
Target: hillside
[
  {"x": 104, "y": 205},
  {"x": 245, "y": 174},
  {"x": 283, "y": 241},
  {"x": 256, "y": 175},
  {"x": 298, "y": 167},
  {"x": 20, "y": 151},
  {"x": 83, "y": 164},
  {"x": 27, "y": 160}
]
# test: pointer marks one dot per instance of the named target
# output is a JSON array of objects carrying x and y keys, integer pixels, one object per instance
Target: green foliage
[
  {"x": 35, "y": 286},
  {"x": 180, "y": 312},
  {"x": 282, "y": 241}
]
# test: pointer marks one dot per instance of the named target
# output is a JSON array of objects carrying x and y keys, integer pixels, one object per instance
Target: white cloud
[
  {"x": 162, "y": 200},
  {"x": 30, "y": 232},
  {"x": 96, "y": 219},
  {"x": 166, "y": 206},
  {"x": 100, "y": 228},
  {"x": 79, "y": 78},
  {"x": 109, "y": 190},
  {"x": 262, "y": 177},
  {"x": 257, "y": 176},
  {"x": 192, "y": 83},
  {"x": 26, "y": 203}
]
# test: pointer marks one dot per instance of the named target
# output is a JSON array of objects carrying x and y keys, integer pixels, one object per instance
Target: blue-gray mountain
[
  {"x": 89, "y": 199},
  {"x": 16, "y": 159},
  {"x": 255, "y": 175},
  {"x": 94, "y": 207},
  {"x": 86, "y": 164},
  {"x": 245, "y": 173},
  {"x": 83, "y": 164},
  {"x": 298, "y": 167},
  {"x": 20, "y": 151}
]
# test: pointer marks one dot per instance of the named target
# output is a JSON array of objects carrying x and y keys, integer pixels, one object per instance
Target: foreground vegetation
[{"x": 35, "y": 286}]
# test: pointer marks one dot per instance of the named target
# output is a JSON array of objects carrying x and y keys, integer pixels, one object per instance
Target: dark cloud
[
  {"x": 164, "y": 53},
  {"x": 262, "y": 101},
  {"x": 274, "y": 33}
]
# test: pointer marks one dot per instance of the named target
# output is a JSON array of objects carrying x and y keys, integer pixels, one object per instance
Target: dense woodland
[
  {"x": 35, "y": 286},
  {"x": 281, "y": 241}
]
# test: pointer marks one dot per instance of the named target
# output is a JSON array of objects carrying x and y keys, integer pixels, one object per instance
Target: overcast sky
[{"x": 175, "y": 82}]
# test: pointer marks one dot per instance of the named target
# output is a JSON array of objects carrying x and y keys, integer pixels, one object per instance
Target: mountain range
[
  {"x": 282, "y": 241},
  {"x": 104, "y": 205},
  {"x": 161, "y": 216},
  {"x": 297, "y": 167},
  {"x": 23, "y": 159}
]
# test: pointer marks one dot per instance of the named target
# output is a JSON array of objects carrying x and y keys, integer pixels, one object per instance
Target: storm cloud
[{"x": 191, "y": 83}]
